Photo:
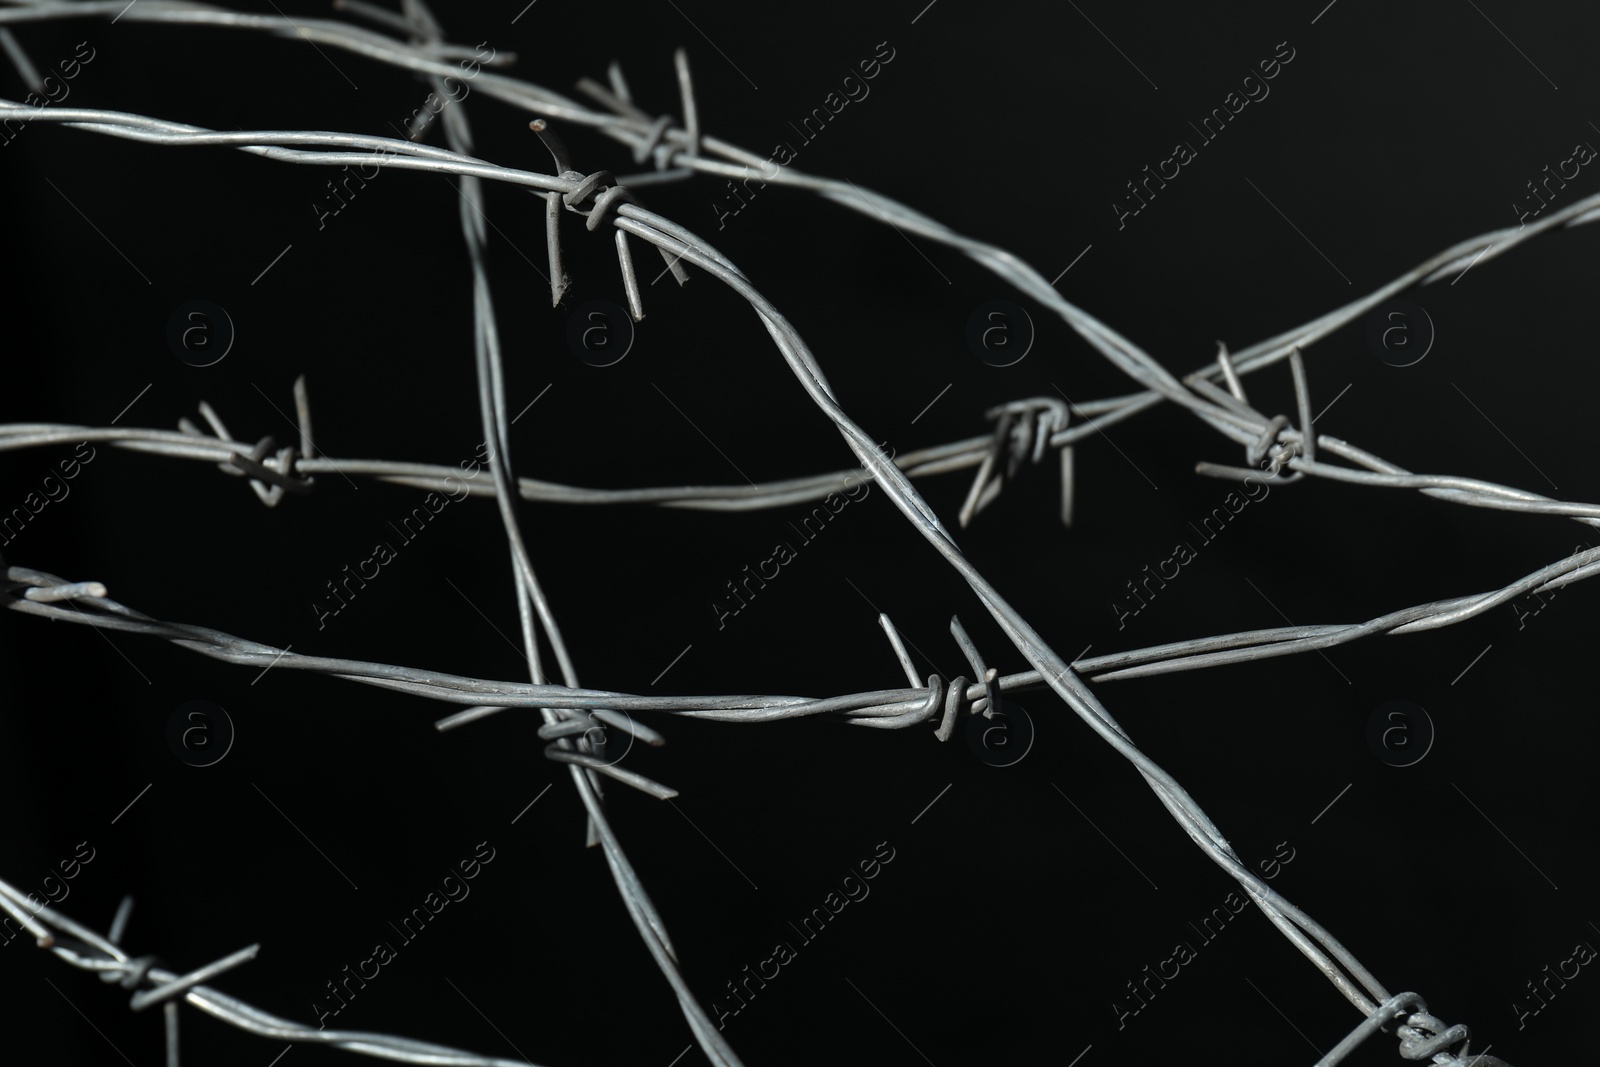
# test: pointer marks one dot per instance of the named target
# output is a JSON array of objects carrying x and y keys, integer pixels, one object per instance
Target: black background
[{"x": 1007, "y": 921}]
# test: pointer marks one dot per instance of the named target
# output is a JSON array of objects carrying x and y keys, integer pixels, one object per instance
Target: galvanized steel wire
[{"x": 1026, "y": 428}]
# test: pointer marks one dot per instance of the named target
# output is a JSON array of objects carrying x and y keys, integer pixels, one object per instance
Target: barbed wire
[
  {"x": 87, "y": 950},
  {"x": 41, "y": 593},
  {"x": 1024, "y": 429}
]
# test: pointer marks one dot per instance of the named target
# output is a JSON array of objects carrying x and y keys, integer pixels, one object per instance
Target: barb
[
  {"x": 278, "y": 472},
  {"x": 1022, "y": 430}
]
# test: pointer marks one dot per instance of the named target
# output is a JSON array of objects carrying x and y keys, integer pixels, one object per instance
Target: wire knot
[
  {"x": 956, "y": 705},
  {"x": 1426, "y": 1037},
  {"x": 953, "y": 696},
  {"x": 1263, "y": 448},
  {"x": 258, "y": 468},
  {"x": 596, "y": 196},
  {"x": 1422, "y": 1036},
  {"x": 1303, "y": 443},
  {"x": 133, "y": 972}
]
